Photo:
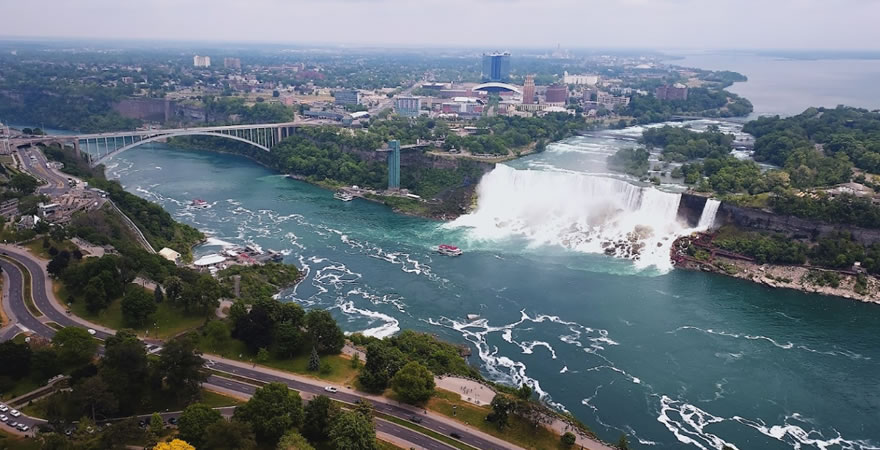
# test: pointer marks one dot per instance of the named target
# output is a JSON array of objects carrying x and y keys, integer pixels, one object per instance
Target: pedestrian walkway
[{"x": 471, "y": 391}]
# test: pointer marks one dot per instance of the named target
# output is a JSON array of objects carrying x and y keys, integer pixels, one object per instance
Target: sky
[{"x": 657, "y": 24}]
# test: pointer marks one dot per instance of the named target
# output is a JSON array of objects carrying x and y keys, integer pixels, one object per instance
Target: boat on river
[
  {"x": 448, "y": 250},
  {"x": 344, "y": 196},
  {"x": 199, "y": 204}
]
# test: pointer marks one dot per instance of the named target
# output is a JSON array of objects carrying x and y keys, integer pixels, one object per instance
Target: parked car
[
  {"x": 92, "y": 332},
  {"x": 172, "y": 420},
  {"x": 3, "y": 408},
  {"x": 14, "y": 413},
  {"x": 13, "y": 424},
  {"x": 3, "y": 418},
  {"x": 331, "y": 389},
  {"x": 23, "y": 427}
]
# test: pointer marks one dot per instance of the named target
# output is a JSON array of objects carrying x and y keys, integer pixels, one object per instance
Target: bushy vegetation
[
  {"x": 841, "y": 131},
  {"x": 844, "y": 209},
  {"x": 683, "y": 144},
  {"x": 700, "y": 102},
  {"x": 259, "y": 281},
  {"x": 765, "y": 248},
  {"x": 632, "y": 161},
  {"x": 508, "y": 133}
]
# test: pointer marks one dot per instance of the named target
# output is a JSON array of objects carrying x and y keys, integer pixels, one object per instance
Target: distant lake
[{"x": 789, "y": 86}]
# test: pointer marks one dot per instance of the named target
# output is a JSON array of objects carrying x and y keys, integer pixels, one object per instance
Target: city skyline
[{"x": 666, "y": 24}]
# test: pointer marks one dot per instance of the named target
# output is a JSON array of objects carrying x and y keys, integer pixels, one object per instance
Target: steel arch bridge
[{"x": 101, "y": 147}]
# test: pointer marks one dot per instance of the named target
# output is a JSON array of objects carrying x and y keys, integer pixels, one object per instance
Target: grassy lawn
[
  {"x": 382, "y": 445},
  {"x": 518, "y": 431},
  {"x": 169, "y": 320},
  {"x": 160, "y": 402},
  {"x": 21, "y": 387},
  {"x": 12, "y": 442},
  {"x": 340, "y": 371},
  {"x": 35, "y": 247}
]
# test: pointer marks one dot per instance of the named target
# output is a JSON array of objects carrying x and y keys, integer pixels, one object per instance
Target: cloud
[{"x": 472, "y": 23}]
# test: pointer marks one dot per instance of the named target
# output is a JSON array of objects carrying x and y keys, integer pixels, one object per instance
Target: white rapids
[{"x": 581, "y": 212}]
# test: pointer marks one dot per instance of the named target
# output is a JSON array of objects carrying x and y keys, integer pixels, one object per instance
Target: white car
[
  {"x": 23, "y": 427},
  {"x": 3, "y": 418},
  {"x": 331, "y": 389},
  {"x": 92, "y": 332},
  {"x": 14, "y": 413},
  {"x": 3, "y": 408}
]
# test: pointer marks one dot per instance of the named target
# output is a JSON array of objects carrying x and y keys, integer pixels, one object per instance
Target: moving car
[
  {"x": 92, "y": 332},
  {"x": 455, "y": 435},
  {"x": 415, "y": 419},
  {"x": 331, "y": 389}
]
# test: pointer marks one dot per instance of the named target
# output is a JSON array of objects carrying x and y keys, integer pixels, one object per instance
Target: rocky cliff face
[
  {"x": 691, "y": 207},
  {"x": 765, "y": 220}
]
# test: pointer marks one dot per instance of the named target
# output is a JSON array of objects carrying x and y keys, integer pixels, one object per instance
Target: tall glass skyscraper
[{"x": 496, "y": 67}]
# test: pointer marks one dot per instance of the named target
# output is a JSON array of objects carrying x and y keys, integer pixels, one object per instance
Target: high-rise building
[
  {"x": 496, "y": 67},
  {"x": 557, "y": 93},
  {"x": 346, "y": 97},
  {"x": 232, "y": 63},
  {"x": 202, "y": 61},
  {"x": 676, "y": 91},
  {"x": 529, "y": 90},
  {"x": 409, "y": 106}
]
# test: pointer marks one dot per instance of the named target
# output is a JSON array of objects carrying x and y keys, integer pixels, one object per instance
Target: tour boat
[
  {"x": 199, "y": 203},
  {"x": 448, "y": 250},
  {"x": 344, "y": 196}
]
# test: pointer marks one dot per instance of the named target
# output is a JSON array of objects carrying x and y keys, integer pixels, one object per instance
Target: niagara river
[{"x": 673, "y": 359}]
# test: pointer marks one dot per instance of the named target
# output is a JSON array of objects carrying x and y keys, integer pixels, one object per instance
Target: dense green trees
[
  {"x": 272, "y": 411},
  {"x": 229, "y": 435},
  {"x": 75, "y": 345},
  {"x": 194, "y": 422},
  {"x": 765, "y": 248},
  {"x": 839, "y": 131},
  {"x": 180, "y": 366},
  {"x": 323, "y": 332},
  {"x": 413, "y": 383},
  {"x": 353, "y": 431},
  {"x": 632, "y": 161},
  {"x": 137, "y": 307},
  {"x": 700, "y": 102},
  {"x": 319, "y": 416},
  {"x": 843, "y": 209},
  {"x": 683, "y": 144}
]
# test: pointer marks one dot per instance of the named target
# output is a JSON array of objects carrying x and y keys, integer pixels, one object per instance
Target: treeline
[
  {"x": 845, "y": 209},
  {"x": 700, "y": 102},
  {"x": 222, "y": 109},
  {"x": 157, "y": 225},
  {"x": 683, "y": 144},
  {"x": 123, "y": 382},
  {"x": 505, "y": 133},
  {"x": 840, "y": 131},
  {"x": 837, "y": 250},
  {"x": 81, "y": 105},
  {"x": 632, "y": 161}
]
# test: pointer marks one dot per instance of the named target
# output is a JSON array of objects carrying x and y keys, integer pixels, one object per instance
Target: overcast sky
[{"x": 699, "y": 24}]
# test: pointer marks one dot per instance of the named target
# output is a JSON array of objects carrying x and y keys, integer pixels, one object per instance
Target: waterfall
[
  {"x": 707, "y": 218},
  {"x": 590, "y": 214}
]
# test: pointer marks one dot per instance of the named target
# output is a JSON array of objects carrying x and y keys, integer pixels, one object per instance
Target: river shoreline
[{"x": 774, "y": 275}]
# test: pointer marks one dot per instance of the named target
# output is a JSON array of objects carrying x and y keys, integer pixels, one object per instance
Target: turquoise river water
[{"x": 674, "y": 359}]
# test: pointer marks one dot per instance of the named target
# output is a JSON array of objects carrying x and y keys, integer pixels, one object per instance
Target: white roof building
[
  {"x": 169, "y": 254},
  {"x": 209, "y": 260}
]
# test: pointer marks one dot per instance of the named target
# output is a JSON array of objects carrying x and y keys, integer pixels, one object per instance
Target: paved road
[
  {"x": 44, "y": 305},
  {"x": 56, "y": 184}
]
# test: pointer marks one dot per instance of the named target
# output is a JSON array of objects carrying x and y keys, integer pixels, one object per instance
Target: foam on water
[{"x": 580, "y": 212}]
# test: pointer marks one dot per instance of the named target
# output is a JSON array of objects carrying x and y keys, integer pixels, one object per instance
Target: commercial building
[
  {"x": 611, "y": 101},
  {"x": 588, "y": 80},
  {"x": 557, "y": 93},
  {"x": 346, "y": 97},
  {"x": 529, "y": 90},
  {"x": 202, "y": 61},
  {"x": 232, "y": 63},
  {"x": 496, "y": 67},
  {"x": 676, "y": 91},
  {"x": 408, "y": 106}
]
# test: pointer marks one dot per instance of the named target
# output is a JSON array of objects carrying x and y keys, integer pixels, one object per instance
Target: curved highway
[{"x": 53, "y": 313}]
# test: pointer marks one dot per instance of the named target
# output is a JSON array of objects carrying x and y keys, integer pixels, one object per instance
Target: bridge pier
[{"x": 76, "y": 149}]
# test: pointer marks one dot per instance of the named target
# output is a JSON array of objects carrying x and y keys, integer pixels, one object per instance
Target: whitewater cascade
[
  {"x": 707, "y": 218},
  {"x": 585, "y": 213}
]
